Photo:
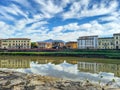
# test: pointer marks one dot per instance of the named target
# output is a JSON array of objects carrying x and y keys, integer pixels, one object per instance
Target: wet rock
[
  {"x": 29, "y": 88},
  {"x": 4, "y": 82},
  {"x": 19, "y": 87},
  {"x": 18, "y": 82},
  {"x": 36, "y": 82},
  {"x": 87, "y": 83}
]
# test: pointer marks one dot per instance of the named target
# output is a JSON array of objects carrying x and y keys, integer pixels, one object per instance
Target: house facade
[
  {"x": 15, "y": 43},
  {"x": 116, "y": 40},
  {"x": 44, "y": 45},
  {"x": 71, "y": 45},
  {"x": 106, "y": 43},
  {"x": 57, "y": 44},
  {"x": 88, "y": 42}
]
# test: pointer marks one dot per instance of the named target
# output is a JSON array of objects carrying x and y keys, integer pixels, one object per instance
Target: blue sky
[{"x": 58, "y": 19}]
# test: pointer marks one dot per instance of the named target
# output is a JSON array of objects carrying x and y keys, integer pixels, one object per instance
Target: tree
[{"x": 34, "y": 45}]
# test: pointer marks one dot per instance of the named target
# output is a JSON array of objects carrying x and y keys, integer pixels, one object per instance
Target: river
[{"x": 73, "y": 68}]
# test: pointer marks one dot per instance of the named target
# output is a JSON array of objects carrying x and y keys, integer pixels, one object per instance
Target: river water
[{"x": 73, "y": 69}]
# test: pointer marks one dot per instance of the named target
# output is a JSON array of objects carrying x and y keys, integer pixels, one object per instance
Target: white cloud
[
  {"x": 91, "y": 28},
  {"x": 49, "y": 8},
  {"x": 24, "y": 3},
  {"x": 5, "y": 30},
  {"x": 13, "y": 10},
  {"x": 81, "y": 9},
  {"x": 38, "y": 29}
]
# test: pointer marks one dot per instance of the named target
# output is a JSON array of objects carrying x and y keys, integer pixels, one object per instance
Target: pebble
[{"x": 20, "y": 81}]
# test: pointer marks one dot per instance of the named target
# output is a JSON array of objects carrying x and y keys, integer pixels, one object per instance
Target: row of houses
[
  {"x": 57, "y": 45},
  {"x": 84, "y": 42},
  {"x": 94, "y": 42},
  {"x": 25, "y": 43}
]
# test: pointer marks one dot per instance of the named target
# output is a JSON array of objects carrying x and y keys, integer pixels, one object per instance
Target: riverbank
[
  {"x": 19, "y": 81},
  {"x": 85, "y": 54}
]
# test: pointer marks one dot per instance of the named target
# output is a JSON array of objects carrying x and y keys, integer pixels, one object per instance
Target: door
[{"x": 117, "y": 47}]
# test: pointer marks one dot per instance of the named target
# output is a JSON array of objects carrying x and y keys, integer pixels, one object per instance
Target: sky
[{"x": 58, "y": 19}]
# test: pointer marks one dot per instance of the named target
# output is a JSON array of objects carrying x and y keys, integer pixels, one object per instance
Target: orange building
[
  {"x": 44, "y": 45},
  {"x": 72, "y": 45}
]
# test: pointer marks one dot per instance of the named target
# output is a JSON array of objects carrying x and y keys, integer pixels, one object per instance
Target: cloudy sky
[{"x": 58, "y": 19}]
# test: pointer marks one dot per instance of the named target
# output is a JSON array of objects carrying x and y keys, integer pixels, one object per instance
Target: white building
[
  {"x": 88, "y": 42},
  {"x": 116, "y": 40}
]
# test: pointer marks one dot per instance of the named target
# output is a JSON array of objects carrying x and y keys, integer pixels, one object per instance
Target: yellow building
[
  {"x": 15, "y": 43},
  {"x": 106, "y": 43},
  {"x": 44, "y": 45},
  {"x": 117, "y": 40},
  {"x": 71, "y": 45}
]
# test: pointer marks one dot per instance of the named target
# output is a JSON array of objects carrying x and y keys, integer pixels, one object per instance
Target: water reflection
[
  {"x": 99, "y": 67},
  {"x": 9, "y": 63},
  {"x": 67, "y": 69}
]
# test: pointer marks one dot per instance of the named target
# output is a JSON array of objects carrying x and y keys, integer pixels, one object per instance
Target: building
[
  {"x": 44, "y": 45},
  {"x": 116, "y": 40},
  {"x": 0, "y": 42},
  {"x": 88, "y": 42},
  {"x": 57, "y": 44},
  {"x": 106, "y": 43},
  {"x": 71, "y": 45},
  {"x": 15, "y": 43}
]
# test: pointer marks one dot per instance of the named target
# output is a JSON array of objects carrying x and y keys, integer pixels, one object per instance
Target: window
[
  {"x": 99, "y": 43},
  {"x": 111, "y": 43},
  {"x": 116, "y": 42},
  {"x": 5, "y": 41},
  {"x": 116, "y": 37}
]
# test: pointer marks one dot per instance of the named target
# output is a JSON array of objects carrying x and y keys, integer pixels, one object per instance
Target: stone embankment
[{"x": 19, "y": 81}]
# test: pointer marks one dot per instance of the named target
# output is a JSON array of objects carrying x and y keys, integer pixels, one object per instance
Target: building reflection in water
[
  {"x": 56, "y": 62},
  {"x": 99, "y": 67},
  {"x": 10, "y": 63},
  {"x": 21, "y": 63},
  {"x": 82, "y": 66}
]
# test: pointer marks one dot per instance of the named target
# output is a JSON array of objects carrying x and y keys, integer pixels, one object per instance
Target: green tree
[{"x": 34, "y": 45}]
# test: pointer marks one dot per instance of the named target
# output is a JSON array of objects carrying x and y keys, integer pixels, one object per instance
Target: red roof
[{"x": 17, "y": 39}]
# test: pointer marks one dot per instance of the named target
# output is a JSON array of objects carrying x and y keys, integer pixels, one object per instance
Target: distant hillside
[
  {"x": 48, "y": 40},
  {"x": 51, "y": 40}
]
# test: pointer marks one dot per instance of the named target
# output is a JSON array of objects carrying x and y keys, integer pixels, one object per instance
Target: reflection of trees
[
  {"x": 99, "y": 67},
  {"x": 10, "y": 63}
]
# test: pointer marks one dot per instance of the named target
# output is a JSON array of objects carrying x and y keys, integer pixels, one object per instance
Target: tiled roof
[
  {"x": 72, "y": 42},
  {"x": 116, "y": 34},
  {"x": 17, "y": 39},
  {"x": 106, "y": 38}
]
